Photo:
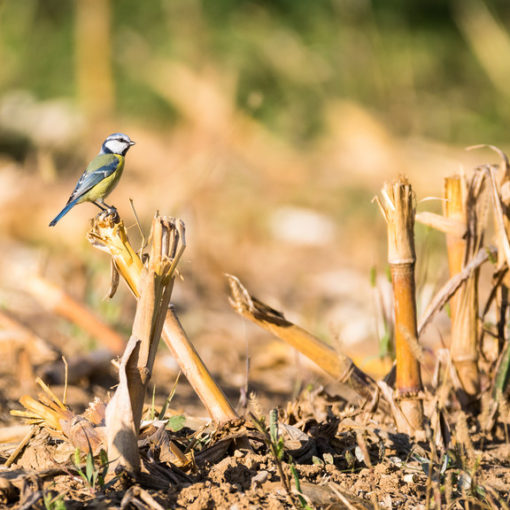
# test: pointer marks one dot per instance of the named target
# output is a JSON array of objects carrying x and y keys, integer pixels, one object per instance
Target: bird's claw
[{"x": 111, "y": 213}]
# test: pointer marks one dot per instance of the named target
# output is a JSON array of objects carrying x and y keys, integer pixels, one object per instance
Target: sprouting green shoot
[
  {"x": 164, "y": 409},
  {"x": 52, "y": 502},
  {"x": 297, "y": 484},
  {"x": 153, "y": 403},
  {"x": 94, "y": 475}
]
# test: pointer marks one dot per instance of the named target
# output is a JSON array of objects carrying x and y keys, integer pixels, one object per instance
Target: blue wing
[{"x": 93, "y": 176}]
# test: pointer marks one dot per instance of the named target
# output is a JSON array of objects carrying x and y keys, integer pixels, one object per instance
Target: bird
[{"x": 101, "y": 175}]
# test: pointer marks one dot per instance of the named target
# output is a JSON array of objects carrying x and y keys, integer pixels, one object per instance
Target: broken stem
[
  {"x": 108, "y": 234},
  {"x": 338, "y": 366}
]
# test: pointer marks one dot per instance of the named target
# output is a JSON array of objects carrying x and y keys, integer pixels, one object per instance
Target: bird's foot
[
  {"x": 112, "y": 213},
  {"x": 109, "y": 213}
]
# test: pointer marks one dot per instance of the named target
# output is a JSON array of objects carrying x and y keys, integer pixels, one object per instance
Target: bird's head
[{"x": 117, "y": 143}]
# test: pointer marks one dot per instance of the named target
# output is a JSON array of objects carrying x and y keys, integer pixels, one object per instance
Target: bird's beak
[{"x": 132, "y": 143}]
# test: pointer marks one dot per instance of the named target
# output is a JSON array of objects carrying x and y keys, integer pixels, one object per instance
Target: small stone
[
  {"x": 465, "y": 481},
  {"x": 359, "y": 454},
  {"x": 259, "y": 479},
  {"x": 328, "y": 458},
  {"x": 386, "y": 502},
  {"x": 409, "y": 478}
]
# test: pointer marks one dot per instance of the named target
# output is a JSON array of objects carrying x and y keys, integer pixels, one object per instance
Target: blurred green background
[{"x": 429, "y": 68}]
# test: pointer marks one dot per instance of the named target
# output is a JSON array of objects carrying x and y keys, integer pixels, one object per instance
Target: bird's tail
[{"x": 62, "y": 213}]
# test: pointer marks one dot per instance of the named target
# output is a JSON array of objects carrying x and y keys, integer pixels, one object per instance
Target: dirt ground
[{"x": 343, "y": 457}]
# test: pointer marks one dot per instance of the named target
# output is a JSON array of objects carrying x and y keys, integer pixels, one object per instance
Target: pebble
[{"x": 259, "y": 479}]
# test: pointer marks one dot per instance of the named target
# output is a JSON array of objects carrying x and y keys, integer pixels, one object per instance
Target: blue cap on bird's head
[{"x": 117, "y": 143}]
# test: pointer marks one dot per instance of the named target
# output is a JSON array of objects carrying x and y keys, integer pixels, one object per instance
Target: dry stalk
[
  {"x": 463, "y": 304},
  {"x": 501, "y": 204},
  {"x": 124, "y": 412},
  {"x": 397, "y": 204},
  {"x": 195, "y": 371},
  {"x": 446, "y": 225},
  {"x": 338, "y": 366},
  {"x": 500, "y": 193},
  {"x": 499, "y": 185},
  {"x": 121, "y": 426},
  {"x": 21, "y": 445},
  {"x": 109, "y": 234},
  {"x": 137, "y": 497},
  {"x": 463, "y": 203}
]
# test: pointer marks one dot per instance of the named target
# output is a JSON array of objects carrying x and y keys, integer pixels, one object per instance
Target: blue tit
[{"x": 101, "y": 176}]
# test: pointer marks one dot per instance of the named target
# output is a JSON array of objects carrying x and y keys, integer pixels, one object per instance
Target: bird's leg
[
  {"x": 106, "y": 210},
  {"x": 99, "y": 205},
  {"x": 110, "y": 208}
]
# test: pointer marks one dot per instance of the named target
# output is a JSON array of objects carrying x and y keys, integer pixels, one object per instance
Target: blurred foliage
[{"x": 411, "y": 62}]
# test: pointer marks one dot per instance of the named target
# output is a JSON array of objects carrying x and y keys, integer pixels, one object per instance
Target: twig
[
  {"x": 453, "y": 284},
  {"x": 66, "y": 378},
  {"x": 341, "y": 497},
  {"x": 14, "y": 455}
]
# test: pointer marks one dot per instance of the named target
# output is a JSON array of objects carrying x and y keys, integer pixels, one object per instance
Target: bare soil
[{"x": 344, "y": 457}]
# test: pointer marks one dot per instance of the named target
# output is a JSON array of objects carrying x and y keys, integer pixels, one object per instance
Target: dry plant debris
[{"x": 432, "y": 450}]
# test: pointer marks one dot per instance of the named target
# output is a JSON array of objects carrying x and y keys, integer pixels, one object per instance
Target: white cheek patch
[{"x": 116, "y": 146}]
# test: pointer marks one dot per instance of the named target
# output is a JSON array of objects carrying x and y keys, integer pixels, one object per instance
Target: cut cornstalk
[
  {"x": 464, "y": 304},
  {"x": 124, "y": 412},
  {"x": 338, "y": 366},
  {"x": 454, "y": 209},
  {"x": 500, "y": 193},
  {"x": 109, "y": 234},
  {"x": 502, "y": 375},
  {"x": 397, "y": 203}
]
